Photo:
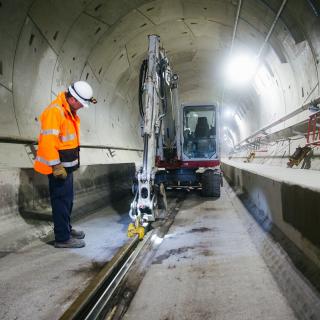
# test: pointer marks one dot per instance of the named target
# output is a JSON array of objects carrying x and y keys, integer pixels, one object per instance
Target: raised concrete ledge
[
  {"x": 304, "y": 178},
  {"x": 286, "y": 203}
]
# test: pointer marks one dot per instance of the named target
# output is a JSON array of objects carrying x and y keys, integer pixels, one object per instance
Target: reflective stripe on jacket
[{"x": 59, "y": 137}]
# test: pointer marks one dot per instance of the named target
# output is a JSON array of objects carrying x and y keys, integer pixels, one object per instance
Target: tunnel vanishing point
[{"x": 258, "y": 60}]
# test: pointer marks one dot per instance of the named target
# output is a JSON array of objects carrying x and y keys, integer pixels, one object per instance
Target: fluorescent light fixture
[
  {"x": 240, "y": 69},
  {"x": 227, "y": 113}
]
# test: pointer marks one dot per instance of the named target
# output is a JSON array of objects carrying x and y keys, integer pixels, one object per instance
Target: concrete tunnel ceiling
[{"x": 48, "y": 44}]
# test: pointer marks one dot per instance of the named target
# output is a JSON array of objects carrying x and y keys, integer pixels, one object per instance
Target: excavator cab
[
  {"x": 194, "y": 162},
  {"x": 199, "y": 133}
]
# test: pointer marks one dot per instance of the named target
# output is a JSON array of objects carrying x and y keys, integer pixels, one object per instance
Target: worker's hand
[{"x": 59, "y": 171}]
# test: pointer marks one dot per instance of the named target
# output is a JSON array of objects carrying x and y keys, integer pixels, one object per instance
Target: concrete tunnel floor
[
  {"x": 40, "y": 281},
  {"x": 207, "y": 267}
]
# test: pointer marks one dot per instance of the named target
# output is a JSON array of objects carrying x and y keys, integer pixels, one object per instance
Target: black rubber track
[{"x": 211, "y": 183}]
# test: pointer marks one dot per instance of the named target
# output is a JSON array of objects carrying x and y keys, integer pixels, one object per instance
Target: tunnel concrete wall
[
  {"x": 114, "y": 179},
  {"x": 48, "y": 44},
  {"x": 45, "y": 45},
  {"x": 25, "y": 210},
  {"x": 292, "y": 209}
]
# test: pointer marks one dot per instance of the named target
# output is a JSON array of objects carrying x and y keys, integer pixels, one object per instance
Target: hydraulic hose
[
  {"x": 163, "y": 89},
  {"x": 142, "y": 78},
  {"x": 131, "y": 215}
]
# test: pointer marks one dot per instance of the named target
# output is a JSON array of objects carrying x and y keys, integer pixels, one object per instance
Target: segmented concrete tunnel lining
[{"x": 47, "y": 44}]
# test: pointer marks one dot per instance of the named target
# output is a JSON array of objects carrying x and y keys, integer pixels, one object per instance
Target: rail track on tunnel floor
[
  {"x": 94, "y": 299},
  {"x": 109, "y": 294}
]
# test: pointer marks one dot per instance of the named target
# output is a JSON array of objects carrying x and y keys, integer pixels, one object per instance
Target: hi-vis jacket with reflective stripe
[{"x": 59, "y": 137}]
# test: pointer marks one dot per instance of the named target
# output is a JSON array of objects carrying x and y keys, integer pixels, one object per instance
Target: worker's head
[{"x": 80, "y": 95}]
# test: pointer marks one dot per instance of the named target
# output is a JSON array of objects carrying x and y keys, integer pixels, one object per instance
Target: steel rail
[
  {"x": 99, "y": 308},
  {"x": 94, "y": 301},
  {"x": 89, "y": 301},
  {"x": 105, "y": 293}
]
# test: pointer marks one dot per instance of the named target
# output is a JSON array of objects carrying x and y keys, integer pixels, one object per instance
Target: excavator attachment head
[{"x": 134, "y": 229}]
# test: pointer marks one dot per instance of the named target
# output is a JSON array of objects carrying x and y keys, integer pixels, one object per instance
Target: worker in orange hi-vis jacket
[{"x": 58, "y": 157}]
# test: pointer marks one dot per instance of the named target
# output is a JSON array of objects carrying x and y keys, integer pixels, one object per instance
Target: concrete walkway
[
  {"x": 40, "y": 281},
  {"x": 208, "y": 268},
  {"x": 294, "y": 176}
]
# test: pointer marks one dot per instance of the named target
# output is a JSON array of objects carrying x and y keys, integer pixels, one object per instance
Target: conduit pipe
[
  {"x": 235, "y": 26},
  {"x": 232, "y": 42},
  {"x": 277, "y": 122},
  {"x": 314, "y": 7},
  {"x": 284, "y": 2},
  {"x": 17, "y": 140}
]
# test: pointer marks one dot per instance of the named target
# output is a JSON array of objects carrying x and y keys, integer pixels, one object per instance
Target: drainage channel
[{"x": 111, "y": 291}]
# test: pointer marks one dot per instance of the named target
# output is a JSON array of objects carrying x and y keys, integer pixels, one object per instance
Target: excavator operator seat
[{"x": 202, "y": 128}]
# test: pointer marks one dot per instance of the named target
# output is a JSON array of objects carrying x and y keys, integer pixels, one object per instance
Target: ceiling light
[
  {"x": 227, "y": 113},
  {"x": 240, "y": 69}
]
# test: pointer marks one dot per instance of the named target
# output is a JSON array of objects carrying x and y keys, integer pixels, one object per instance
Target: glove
[{"x": 59, "y": 171}]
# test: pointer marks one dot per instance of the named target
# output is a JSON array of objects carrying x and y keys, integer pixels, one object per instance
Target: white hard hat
[{"x": 82, "y": 91}]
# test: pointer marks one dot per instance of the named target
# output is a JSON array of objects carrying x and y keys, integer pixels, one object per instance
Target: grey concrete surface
[
  {"x": 207, "y": 267},
  {"x": 40, "y": 281},
  {"x": 25, "y": 208},
  {"x": 287, "y": 198},
  {"x": 48, "y": 44},
  {"x": 308, "y": 179},
  {"x": 297, "y": 279}
]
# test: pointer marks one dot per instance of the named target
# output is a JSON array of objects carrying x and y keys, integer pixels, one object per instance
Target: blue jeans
[{"x": 61, "y": 196}]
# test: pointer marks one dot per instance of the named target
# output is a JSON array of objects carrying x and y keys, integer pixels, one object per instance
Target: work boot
[
  {"x": 71, "y": 243},
  {"x": 77, "y": 234}
]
